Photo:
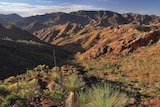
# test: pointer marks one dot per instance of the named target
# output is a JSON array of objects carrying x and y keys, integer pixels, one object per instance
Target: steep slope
[
  {"x": 21, "y": 50},
  {"x": 17, "y": 57},
  {"x": 15, "y": 33},
  {"x": 35, "y": 26},
  {"x": 122, "y": 46},
  {"x": 61, "y": 35},
  {"x": 96, "y": 41}
]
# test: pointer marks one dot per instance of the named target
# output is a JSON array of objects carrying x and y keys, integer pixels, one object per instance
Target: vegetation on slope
[{"x": 31, "y": 88}]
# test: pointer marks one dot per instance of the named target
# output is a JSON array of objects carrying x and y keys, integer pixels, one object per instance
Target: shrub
[
  {"x": 32, "y": 73},
  {"x": 72, "y": 84},
  {"x": 55, "y": 77},
  {"x": 41, "y": 68},
  {"x": 11, "y": 79},
  {"x": 54, "y": 94},
  {"x": 4, "y": 91},
  {"x": 27, "y": 89},
  {"x": 30, "y": 89},
  {"x": 14, "y": 99}
]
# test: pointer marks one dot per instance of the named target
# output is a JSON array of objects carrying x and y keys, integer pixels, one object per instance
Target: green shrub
[
  {"x": 27, "y": 89},
  {"x": 14, "y": 99},
  {"x": 30, "y": 89},
  {"x": 32, "y": 73},
  {"x": 55, "y": 77},
  {"x": 11, "y": 79},
  {"x": 43, "y": 74},
  {"x": 41, "y": 68},
  {"x": 4, "y": 91},
  {"x": 54, "y": 94}
]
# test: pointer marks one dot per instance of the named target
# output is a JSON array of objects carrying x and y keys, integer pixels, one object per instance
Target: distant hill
[
  {"x": 13, "y": 17},
  {"x": 6, "y": 20},
  {"x": 102, "y": 18},
  {"x": 92, "y": 18}
]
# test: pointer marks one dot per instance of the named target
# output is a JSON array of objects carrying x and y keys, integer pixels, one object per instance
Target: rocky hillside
[{"x": 96, "y": 41}]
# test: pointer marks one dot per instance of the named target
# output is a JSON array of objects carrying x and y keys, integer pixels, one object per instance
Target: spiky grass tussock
[
  {"x": 102, "y": 95},
  {"x": 55, "y": 77},
  {"x": 73, "y": 83}
]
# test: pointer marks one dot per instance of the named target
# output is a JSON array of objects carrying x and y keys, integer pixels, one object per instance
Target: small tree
[{"x": 72, "y": 84}]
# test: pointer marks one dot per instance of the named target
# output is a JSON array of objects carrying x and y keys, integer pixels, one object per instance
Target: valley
[{"x": 51, "y": 51}]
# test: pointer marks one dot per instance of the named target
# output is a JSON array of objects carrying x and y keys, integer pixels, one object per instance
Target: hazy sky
[{"x": 37, "y": 7}]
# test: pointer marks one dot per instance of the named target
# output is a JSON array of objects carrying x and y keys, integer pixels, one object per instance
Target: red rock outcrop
[
  {"x": 122, "y": 46},
  {"x": 128, "y": 44}
]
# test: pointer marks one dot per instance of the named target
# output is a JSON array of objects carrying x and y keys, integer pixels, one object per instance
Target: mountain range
[
  {"x": 94, "y": 34},
  {"x": 93, "y": 18}
]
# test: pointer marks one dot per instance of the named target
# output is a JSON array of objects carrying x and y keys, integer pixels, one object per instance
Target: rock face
[
  {"x": 131, "y": 43},
  {"x": 96, "y": 51},
  {"x": 122, "y": 46}
]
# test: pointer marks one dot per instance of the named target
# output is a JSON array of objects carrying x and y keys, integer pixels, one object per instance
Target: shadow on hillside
[
  {"x": 16, "y": 58},
  {"x": 92, "y": 80},
  {"x": 73, "y": 48}
]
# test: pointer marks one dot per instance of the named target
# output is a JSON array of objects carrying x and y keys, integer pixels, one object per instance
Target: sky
[{"x": 38, "y": 7}]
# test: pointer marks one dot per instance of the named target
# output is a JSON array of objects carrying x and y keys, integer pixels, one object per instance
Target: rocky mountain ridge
[{"x": 92, "y": 18}]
